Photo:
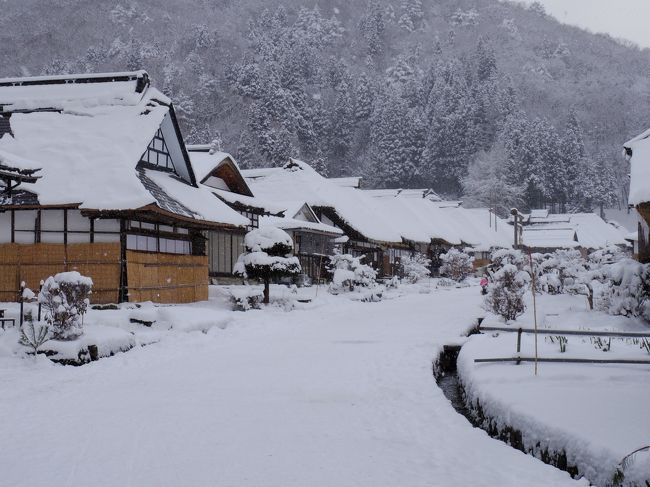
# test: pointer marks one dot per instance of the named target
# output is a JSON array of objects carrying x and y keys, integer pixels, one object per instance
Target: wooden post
[
  {"x": 22, "y": 288},
  {"x": 515, "y": 213},
  {"x": 39, "y": 301},
  {"x": 518, "y": 344}
]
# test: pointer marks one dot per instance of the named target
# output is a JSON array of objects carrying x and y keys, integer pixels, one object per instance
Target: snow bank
[{"x": 108, "y": 340}]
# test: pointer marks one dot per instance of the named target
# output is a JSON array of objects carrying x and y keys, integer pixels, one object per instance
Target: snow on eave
[
  {"x": 293, "y": 224},
  {"x": 73, "y": 77},
  {"x": 247, "y": 201},
  {"x": 347, "y": 182}
]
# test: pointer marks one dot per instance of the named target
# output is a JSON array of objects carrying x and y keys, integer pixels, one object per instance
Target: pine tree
[
  {"x": 372, "y": 27},
  {"x": 486, "y": 63},
  {"x": 363, "y": 98}
]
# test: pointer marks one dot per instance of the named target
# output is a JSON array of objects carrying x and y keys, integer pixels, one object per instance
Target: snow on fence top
[
  {"x": 87, "y": 133},
  {"x": 638, "y": 150}
]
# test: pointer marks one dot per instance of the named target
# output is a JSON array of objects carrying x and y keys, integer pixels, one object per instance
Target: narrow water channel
[{"x": 447, "y": 379}]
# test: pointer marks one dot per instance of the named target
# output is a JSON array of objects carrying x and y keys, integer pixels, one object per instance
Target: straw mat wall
[
  {"x": 166, "y": 278},
  {"x": 35, "y": 262}
]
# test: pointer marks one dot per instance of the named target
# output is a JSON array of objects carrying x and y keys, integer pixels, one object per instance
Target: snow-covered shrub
[
  {"x": 348, "y": 272},
  {"x": 456, "y": 265},
  {"x": 560, "y": 272},
  {"x": 415, "y": 267},
  {"x": 65, "y": 299},
  {"x": 268, "y": 256},
  {"x": 502, "y": 257},
  {"x": 244, "y": 298},
  {"x": 626, "y": 290},
  {"x": 608, "y": 255},
  {"x": 505, "y": 295}
]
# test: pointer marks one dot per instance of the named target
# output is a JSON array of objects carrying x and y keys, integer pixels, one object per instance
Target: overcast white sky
[{"x": 627, "y": 19}]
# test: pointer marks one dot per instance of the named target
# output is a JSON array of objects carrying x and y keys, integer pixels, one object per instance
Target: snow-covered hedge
[
  {"x": 415, "y": 267},
  {"x": 65, "y": 299},
  {"x": 456, "y": 265}
]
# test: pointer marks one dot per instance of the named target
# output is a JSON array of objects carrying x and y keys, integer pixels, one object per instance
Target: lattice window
[{"x": 157, "y": 154}]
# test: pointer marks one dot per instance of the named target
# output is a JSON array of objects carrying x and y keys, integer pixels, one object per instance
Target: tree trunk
[{"x": 266, "y": 291}]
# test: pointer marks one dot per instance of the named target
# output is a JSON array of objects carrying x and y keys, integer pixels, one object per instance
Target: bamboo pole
[{"x": 532, "y": 273}]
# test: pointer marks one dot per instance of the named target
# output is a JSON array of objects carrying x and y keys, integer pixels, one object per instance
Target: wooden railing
[{"x": 547, "y": 331}]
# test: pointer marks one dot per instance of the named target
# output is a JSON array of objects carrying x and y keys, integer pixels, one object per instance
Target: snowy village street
[{"x": 339, "y": 394}]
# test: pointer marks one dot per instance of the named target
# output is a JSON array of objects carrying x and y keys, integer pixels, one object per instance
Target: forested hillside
[{"x": 491, "y": 101}]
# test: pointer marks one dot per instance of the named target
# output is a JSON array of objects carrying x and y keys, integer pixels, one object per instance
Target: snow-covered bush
[
  {"x": 348, "y": 272},
  {"x": 626, "y": 290},
  {"x": 65, "y": 299},
  {"x": 415, "y": 267},
  {"x": 502, "y": 257},
  {"x": 608, "y": 255},
  {"x": 268, "y": 256},
  {"x": 560, "y": 272},
  {"x": 505, "y": 295},
  {"x": 244, "y": 298},
  {"x": 456, "y": 265}
]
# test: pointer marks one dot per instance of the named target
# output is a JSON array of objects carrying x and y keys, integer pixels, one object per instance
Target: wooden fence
[
  {"x": 35, "y": 262},
  {"x": 166, "y": 278},
  {"x": 547, "y": 331}
]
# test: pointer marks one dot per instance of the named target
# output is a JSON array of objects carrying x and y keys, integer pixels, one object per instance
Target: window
[
  {"x": 253, "y": 217},
  {"x": 145, "y": 243}
]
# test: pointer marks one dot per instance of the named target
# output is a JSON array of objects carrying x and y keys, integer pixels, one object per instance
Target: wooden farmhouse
[
  {"x": 637, "y": 152},
  {"x": 369, "y": 232},
  {"x": 384, "y": 225},
  {"x": 313, "y": 240},
  {"x": 219, "y": 173},
  {"x": 94, "y": 177},
  {"x": 546, "y": 232},
  {"x": 432, "y": 226}
]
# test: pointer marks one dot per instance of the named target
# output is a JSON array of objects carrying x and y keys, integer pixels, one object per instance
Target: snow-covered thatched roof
[
  {"x": 88, "y": 133},
  {"x": 638, "y": 151},
  {"x": 390, "y": 216},
  {"x": 568, "y": 230},
  {"x": 221, "y": 174},
  {"x": 422, "y": 220},
  {"x": 298, "y": 181}
]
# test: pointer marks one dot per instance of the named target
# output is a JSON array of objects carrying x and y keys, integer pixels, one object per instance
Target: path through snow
[{"x": 339, "y": 395}]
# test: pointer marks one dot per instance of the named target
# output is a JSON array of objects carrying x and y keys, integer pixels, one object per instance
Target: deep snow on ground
[
  {"x": 598, "y": 413},
  {"x": 337, "y": 393}
]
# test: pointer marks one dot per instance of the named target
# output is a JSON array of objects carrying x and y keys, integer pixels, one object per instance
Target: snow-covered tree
[
  {"x": 488, "y": 185},
  {"x": 627, "y": 289},
  {"x": 349, "y": 272},
  {"x": 65, "y": 299},
  {"x": 505, "y": 295},
  {"x": 502, "y": 257},
  {"x": 269, "y": 255},
  {"x": 456, "y": 265},
  {"x": 415, "y": 267}
]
